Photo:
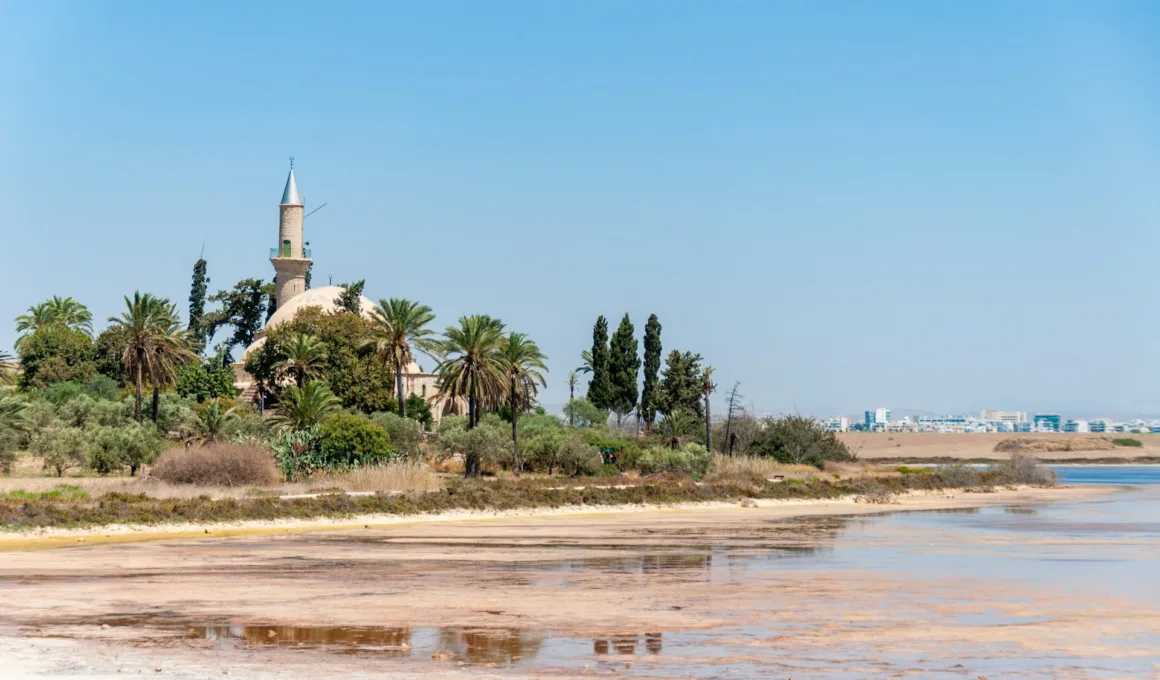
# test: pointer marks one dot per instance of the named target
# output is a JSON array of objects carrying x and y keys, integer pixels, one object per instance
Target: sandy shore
[
  {"x": 871, "y": 446},
  {"x": 118, "y": 533}
]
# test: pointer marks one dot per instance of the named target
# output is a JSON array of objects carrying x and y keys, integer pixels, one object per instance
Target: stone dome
[{"x": 323, "y": 297}]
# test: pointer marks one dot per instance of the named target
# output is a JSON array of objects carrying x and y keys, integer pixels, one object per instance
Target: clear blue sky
[{"x": 942, "y": 205}]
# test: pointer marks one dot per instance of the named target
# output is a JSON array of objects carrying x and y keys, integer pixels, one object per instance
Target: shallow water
[{"x": 1045, "y": 590}]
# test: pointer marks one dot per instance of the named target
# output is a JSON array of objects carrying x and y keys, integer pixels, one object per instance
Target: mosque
[{"x": 291, "y": 260}]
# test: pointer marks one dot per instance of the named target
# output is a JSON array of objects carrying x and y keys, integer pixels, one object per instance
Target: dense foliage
[
  {"x": 54, "y": 353},
  {"x": 206, "y": 380},
  {"x": 652, "y": 366}
]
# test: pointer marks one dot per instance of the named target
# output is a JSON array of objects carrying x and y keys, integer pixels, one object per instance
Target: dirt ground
[
  {"x": 579, "y": 595},
  {"x": 918, "y": 445}
]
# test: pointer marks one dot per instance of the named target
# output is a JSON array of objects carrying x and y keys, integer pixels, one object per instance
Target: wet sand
[{"x": 708, "y": 592}]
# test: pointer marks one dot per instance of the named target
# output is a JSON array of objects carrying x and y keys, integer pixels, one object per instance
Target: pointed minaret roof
[{"x": 290, "y": 195}]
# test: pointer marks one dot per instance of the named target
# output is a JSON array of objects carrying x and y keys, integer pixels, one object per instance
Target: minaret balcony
[{"x": 284, "y": 252}]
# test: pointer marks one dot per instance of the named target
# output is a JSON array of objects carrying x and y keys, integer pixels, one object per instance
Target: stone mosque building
[{"x": 291, "y": 258}]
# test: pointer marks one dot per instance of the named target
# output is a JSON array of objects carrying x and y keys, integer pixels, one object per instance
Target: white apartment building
[
  {"x": 1003, "y": 416},
  {"x": 1076, "y": 426},
  {"x": 877, "y": 419}
]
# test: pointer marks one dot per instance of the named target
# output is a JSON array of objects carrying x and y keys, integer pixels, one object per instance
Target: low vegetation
[
  {"x": 226, "y": 465},
  {"x": 1127, "y": 441},
  {"x": 1054, "y": 444}
]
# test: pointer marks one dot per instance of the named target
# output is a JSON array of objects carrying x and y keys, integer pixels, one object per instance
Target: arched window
[{"x": 286, "y": 248}]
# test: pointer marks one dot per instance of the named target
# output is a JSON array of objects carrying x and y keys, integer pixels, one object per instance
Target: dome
[{"x": 323, "y": 297}]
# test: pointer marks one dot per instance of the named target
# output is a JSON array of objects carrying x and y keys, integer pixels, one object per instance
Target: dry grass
[
  {"x": 1053, "y": 444},
  {"x": 723, "y": 468},
  {"x": 390, "y": 477}
]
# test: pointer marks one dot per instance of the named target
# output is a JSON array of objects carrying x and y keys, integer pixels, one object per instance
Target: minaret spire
[{"x": 290, "y": 195}]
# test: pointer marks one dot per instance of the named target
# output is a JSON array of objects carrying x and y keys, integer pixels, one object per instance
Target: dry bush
[
  {"x": 724, "y": 468},
  {"x": 1023, "y": 468},
  {"x": 218, "y": 465},
  {"x": 389, "y": 477}
]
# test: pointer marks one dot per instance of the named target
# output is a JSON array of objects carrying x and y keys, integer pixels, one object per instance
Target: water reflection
[
  {"x": 628, "y": 644},
  {"x": 392, "y": 639},
  {"x": 491, "y": 646}
]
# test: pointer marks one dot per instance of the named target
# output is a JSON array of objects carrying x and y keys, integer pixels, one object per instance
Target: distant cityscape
[{"x": 988, "y": 420}]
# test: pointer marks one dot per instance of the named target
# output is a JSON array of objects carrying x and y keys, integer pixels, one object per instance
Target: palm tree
[
  {"x": 573, "y": 380},
  {"x": 522, "y": 362},
  {"x": 397, "y": 328},
  {"x": 71, "y": 313},
  {"x": 145, "y": 319},
  {"x": 11, "y": 414},
  {"x": 470, "y": 367},
  {"x": 7, "y": 375},
  {"x": 586, "y": 357},
  {"x": 211, "y": 424},
  {"x": 677, "y": 426},
  {"x": 304, "y": 407},
  {"x": 708, "y": 386},
  {"x": 173, "y": 347},
  {"x": 55, "y": 310},
  {"x": 302, "y": 358}
]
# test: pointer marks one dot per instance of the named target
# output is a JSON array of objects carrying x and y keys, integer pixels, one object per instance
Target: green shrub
[
  {"x": 62, "y": 392},
  {"x": 623, "y": 453},
  {"x": 902, "y": 469},
  {"x": 691, "y": 459},
  {"x": 583, "y": 413},
  {"x": 66, "y": 491},
  {"x": 577, "y": 458},
  {"x": 131, "y": 445},
  {"x": 799, "y": 440},
  {"x": 297, "y": 453},
  {"x": 207, "y": 380},
  {"x": 488, "y": 442},
  {"x": 542, "y": 450},
  {"x": 1127, "y": 441},
  {"x": 61, "y": 448},
  {"x": 405, "y": 434},
  {"x": 350, "y": 441}
]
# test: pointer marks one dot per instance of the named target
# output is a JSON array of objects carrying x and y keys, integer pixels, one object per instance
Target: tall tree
[
  {"x": 309, "y": 274},
  {"x": 573, "y": 380},
  {"x": 708, "y": 386},
  {"x": 197, "y": 292},
  {"x": 682, "y": 384},
  {"x": 600, "y": 387},
  {"x": 173, "y": 348},
  {"x": 398, "y": 327},
  {"x": 141, "y": 324},
  {"x": 652, "y": 367},
  {"x": 523, "y": 365},
  {"x": 733, "y": 406},
  {"x": 470, "y": 367},
  {"x": 243, "y": 307},
  {"x": 623, "y": 364},
  {"x": 301, "y": 358},
  {"x": 351, "y": 297}
]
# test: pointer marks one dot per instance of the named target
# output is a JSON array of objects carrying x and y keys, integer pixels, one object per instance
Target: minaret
[{"x": 290, "y": 258}]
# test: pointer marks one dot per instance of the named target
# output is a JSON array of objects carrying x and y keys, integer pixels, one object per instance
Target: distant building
[
  {"x": 1076, "y": 426},
  {"x": 1048, "y": 422},
  {"x": 877, "y": 419},
  {"x": 1101, "y": 425},
  {"x": 839, "y": 424},
  {"x": 1003, "y": 416}
]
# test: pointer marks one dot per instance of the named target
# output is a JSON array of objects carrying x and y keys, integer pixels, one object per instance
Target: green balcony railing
[{"x": 284, "y": 251}]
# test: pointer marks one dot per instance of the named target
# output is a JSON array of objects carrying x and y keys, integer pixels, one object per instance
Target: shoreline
[{"x": 51, "y": 538}]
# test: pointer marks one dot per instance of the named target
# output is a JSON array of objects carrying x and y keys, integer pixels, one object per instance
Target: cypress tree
[
  {"x": 600, "y": 388},
  {"x": 197, "y": 300},
  {"x": 682, "y": 385},
  {"x": 652, "y": 367},
  {"x": 623, "y": 364}
]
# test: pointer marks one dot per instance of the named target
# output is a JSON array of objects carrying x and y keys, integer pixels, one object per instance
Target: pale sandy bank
[{"x": 848, "y": 505}]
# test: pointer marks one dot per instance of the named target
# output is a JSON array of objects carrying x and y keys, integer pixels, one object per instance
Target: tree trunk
[
  {"x": 708, "y": 425},
  {"x": 728, "y": 428},
  {"x": 399, "y": 388},
  {"x": 156, "y": 399},
  {"x": 571, "y": 415},
  {"x": 140, "y": 379},
  {"x": 515, "y": 438},
  {"x": 300, "y": 379}
]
